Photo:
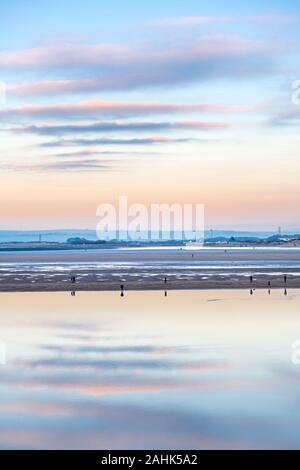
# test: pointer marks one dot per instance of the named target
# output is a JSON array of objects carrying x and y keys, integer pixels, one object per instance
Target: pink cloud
[
  {"x": 189, "y": 21},
  {"x": 120, "y": 67},
  {"x": 119, "y": 109},
  {"x": 68, "y": 55},
  {"x": 108, "y": 55},
  {"x": 119, "y": 127}
]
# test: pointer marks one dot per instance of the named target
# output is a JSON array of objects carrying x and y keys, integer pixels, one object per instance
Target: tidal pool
[{"x": 186, "y": 370}]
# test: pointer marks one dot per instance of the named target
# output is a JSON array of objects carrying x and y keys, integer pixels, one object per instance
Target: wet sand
[{"x": 147, "y": 270}]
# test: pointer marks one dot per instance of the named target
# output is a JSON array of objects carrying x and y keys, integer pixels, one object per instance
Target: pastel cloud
[
  {"x": 85, "y": 164},
  {"x": 189, "y": 21},
  {"x": 88, "y": 152},
  {"x": 107, "y": 56},
  {"x": 120, "y": 127},
  {"x": 93, "y": 68},
  {"x": 67, "y": 55},
  {"x": 183, "y": 21},
  {"x": 105, "y": 141},
  {"x": 289, "y": 116},
  {"x": 118, "y": 109}
]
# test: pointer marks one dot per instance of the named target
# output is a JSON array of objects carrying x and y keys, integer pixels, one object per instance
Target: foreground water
[{"x": 197, "y": 370}]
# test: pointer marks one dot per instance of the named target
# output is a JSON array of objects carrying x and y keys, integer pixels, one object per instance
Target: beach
[{"x": 149, "y": 269}]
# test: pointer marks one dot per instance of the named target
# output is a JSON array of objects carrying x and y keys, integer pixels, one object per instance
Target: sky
[{"x": 164, "y": 102}]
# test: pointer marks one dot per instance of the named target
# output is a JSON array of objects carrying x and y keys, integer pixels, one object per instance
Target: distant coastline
[
  {"x": 62, "y": 235},
  {"x": 82, "y": 243}
]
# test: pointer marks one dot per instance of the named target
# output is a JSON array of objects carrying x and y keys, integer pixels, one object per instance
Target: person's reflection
[
  {"x": 73, "y": 293},
  {"x": 166, "y": 293},
  {"x": 251, "y": 291},
  {"x": 285, "y": 292},
  {"x": 122, "y": 290}
]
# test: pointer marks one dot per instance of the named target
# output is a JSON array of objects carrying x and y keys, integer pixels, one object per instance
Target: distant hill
[
  {"x": 46, "y": 235},
  {"x": 60, "y": 236}
]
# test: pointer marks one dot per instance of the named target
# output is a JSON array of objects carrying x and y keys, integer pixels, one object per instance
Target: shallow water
[{"x": 198, "y": 370}]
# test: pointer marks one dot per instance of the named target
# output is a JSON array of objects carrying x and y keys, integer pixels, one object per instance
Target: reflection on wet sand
[{"x": 209, "y": 369}]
